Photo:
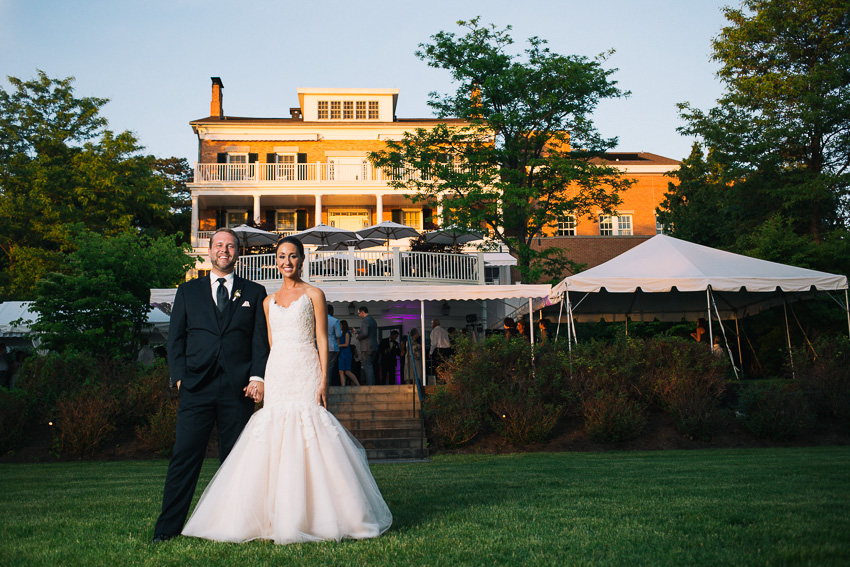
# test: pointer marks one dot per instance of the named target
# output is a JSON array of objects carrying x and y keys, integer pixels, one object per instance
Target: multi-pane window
[
  {"x": 567, "y": 225},
  {"x": 237, "y": 158},
  {"x": 412, "y": 218},
  {"x": 285, "y": 221},
  {"x": 347, "y": 110},
  {"x": 659, "y": 227},
  {"x": 615, "y": 225},
  {"x": 235, "y": 218}
]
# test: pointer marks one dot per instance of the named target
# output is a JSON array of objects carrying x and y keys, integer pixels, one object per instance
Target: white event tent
[{"x": 670, "y": 279}]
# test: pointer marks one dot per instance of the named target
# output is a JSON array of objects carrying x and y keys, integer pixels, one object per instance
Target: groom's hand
[{"x": 255, "y": 391}]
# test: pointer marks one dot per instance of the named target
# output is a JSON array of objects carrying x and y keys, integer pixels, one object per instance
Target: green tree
[
  {"x": 100, "y": 302},
  {"x": 60, "y": 166},
  {"x": 778, "y": 167},
  {"x": 521, "y": 154},
  {"x": 176, "y": 173}
]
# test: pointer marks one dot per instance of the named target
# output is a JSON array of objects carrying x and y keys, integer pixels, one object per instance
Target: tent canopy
[
  {"x": 365, "y": 293},
  {"x": 668, "y": 279}
]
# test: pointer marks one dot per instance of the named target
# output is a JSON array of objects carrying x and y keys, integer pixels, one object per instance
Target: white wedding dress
[{"x": 296, "y": 474}]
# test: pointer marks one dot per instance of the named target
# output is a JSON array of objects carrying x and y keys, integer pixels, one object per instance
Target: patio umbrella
[
  {"x": 388, "y": 230},
  {"x": 250, "y": 236},
  {"x": 323, "y": 235},
  {"x": 359, "y": 243},
  {"x": 452, "y": 235}
]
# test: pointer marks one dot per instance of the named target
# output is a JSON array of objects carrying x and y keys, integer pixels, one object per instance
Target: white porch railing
[
  {"x": 375, "y": 267},
  {"x": 275, "y": 173},
  {"x": 204, "y": 235}
]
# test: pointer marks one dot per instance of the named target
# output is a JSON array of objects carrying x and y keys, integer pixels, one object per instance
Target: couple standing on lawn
[{"x": 290, "y": 472}]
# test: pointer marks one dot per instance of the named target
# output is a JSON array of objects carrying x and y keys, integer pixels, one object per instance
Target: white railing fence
[
  {"x": 291, "y": 172},
  {"x": 370, "y": 266}
]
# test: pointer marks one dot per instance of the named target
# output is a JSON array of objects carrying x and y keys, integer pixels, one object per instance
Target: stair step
[
  {"x": 392, "y": 443},
  {"x": 370, "y": 414},
  {"x": 395, "y": 454},
  {"x": 372, "y": 406}
]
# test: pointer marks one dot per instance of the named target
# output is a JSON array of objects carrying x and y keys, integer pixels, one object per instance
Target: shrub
[
  {"x": 49, "y": 378},
  {"x": 148, "y": 390},
  {"x": 616, "y": 367},
  {"x": 687, "y": 382},
  {"x": 159, "y": 432},
  {"x": 13, "y": 418},
  {"x": 85, "y": 420},
  {"x": 827, "y": 378},
  {"x": 452, "y": 421},
  {"x": 522, "y": 421},
  {"x": 774, "y": 410},
  {"x": 610, "y": 417}
]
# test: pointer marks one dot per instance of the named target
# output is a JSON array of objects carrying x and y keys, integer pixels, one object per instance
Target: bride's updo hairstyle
[{"x": 290, "y": 240}]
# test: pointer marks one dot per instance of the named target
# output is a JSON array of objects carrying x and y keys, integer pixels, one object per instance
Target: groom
[{"x": 217, "y": 351}]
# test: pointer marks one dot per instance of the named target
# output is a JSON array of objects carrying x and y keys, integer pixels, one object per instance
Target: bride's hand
[{"x": 322, "y": 396}]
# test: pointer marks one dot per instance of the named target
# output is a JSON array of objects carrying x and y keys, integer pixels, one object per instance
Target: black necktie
[{"x": 221, "y": 295}]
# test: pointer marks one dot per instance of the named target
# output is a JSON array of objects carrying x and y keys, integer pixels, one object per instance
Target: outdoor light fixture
[
  {"x": 446, "y": 309},
  {"x": 351, "y": 308}
]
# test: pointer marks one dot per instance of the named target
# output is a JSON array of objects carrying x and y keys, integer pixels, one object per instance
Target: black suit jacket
[{"x": 199, "y": 340}]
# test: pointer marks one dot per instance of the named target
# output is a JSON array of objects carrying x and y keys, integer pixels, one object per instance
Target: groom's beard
[{"x": 225, "y": 263}]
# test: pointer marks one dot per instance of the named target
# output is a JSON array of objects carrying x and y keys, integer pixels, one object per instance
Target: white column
[
  {"x": 318, "y": 208},
  {"x": 257, "y": 216},
  {"x": 194, "y": 221},
  {"x": 380, "y": 210}
]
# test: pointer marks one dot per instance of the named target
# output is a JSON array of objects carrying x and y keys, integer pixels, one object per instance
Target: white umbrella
[
  {"x": 358, "y": 243},
  {"x": 324, "y": 235},
  {"x": 452, "y": 235},
  {"x": 388, "y": 230},
  {"x": 251, "y": 236}
]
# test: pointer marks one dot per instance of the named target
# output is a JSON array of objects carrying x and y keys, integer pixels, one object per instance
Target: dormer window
[{"x": 347, "y": 110}]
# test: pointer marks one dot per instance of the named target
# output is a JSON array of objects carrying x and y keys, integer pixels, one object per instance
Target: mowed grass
[{"x": 787, "y": 506}]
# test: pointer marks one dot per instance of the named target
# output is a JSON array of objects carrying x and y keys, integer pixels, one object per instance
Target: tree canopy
[
  {"x": 521, "y": 154},
  {"x": 99, "y": 303},
  {"x": 771, "y": 174},
  {"x": 60, "y": 166}
]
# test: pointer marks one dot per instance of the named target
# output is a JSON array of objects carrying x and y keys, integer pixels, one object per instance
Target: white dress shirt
[{"x": 439, "y": 339}]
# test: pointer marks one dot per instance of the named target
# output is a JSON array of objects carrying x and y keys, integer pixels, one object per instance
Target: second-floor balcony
[
  {"x": 276, "y": 173},
  {"x": 387, "y": 266}
]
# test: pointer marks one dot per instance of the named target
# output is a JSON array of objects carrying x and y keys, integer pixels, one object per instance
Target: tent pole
[
  {"x": 422, "y": 338},
  {"x": 560, "y": 314},
  {"x": 531, "y": 326},
  {"x": 708, "y": 307},
  {"x": 788, "y": 335},
  {"x": 847, "y": 309},
  {"x": 738, "y": 336},
  {"x": 725, "y": 340}
]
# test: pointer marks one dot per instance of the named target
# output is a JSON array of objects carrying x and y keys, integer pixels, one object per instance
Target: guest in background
[
  {"x": 701, "y": 332},
  {"x": 390, "y": 352},
  {"x": 368, "y": 337},
  {"x": 334, "y": 334},
  {"x": 440, "y": 344},
  {"x": 346, "y": 355},
  {"x": 413, "y": 358},
  {"x": 522, "y": 329},
  {"x": 544, "y": 331},
  {"x": 510, "y": 328}
]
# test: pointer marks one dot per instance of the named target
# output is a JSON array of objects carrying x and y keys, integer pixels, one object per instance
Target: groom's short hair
[{"x": 229, "y": 231}]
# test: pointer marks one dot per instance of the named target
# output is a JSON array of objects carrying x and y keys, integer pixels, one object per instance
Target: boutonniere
[{"x": 236, "y": 294}]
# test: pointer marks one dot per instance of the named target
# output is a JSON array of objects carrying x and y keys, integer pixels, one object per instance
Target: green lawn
[{"x": 716, "y": 507}]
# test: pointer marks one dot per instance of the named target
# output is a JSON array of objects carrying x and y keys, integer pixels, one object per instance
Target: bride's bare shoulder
[{"x": 315, "y": 294}]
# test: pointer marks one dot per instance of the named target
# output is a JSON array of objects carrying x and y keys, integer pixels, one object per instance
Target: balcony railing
[
  {"x": 275, "y": 173},
  {"x": 204, "y": 235},
  {"x": 393, "y": 265}
]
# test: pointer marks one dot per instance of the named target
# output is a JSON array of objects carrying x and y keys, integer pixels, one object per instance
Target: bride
[{"x": 296, "y": 474}]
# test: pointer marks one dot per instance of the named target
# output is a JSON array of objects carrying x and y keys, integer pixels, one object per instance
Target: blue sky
[{"x": 153, "y": 59}]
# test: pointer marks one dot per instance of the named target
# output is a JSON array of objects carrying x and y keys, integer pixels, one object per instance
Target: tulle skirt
[{"x": 296, "y": 474}]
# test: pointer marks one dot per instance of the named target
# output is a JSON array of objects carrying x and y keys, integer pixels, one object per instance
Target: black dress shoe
[{"x": 159, "y": 538}]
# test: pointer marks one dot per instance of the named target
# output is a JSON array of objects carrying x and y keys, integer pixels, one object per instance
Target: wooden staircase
[{"x": 385, "y": 419}]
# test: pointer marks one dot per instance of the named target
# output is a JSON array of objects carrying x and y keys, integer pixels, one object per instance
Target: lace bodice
[
  {"x": 293, "y": 324},
  {"x": 293, "y": 373}
]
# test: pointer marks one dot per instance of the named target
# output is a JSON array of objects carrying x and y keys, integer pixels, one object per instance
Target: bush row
[
  {"x": 496, "y": 386},
  {"x": 88, "y": 400}
]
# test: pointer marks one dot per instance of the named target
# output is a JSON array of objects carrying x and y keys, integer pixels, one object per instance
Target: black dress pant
[{"x": 214, "y": 402}]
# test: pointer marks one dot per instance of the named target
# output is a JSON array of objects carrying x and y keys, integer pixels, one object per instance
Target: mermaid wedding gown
[{"x": 296, "y": 474}]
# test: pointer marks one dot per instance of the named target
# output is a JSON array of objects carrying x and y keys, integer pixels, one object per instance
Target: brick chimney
[{"x": 217, "y": 103}]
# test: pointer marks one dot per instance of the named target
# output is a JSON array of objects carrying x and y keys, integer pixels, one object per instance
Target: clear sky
[{"x": 154, "y": 58}]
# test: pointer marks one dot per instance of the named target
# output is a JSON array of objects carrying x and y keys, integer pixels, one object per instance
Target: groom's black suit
[{"x": 212, "y": 354}]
